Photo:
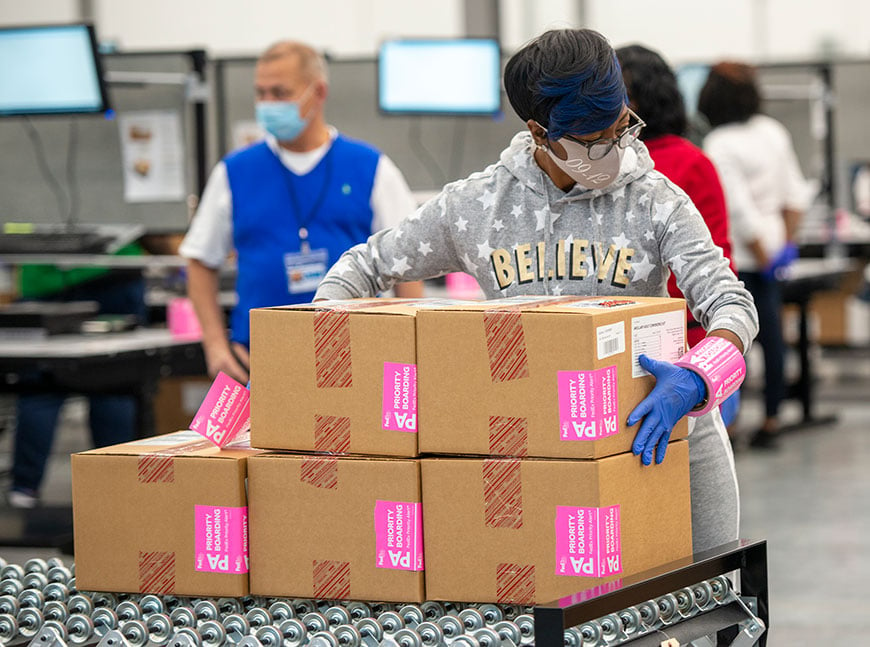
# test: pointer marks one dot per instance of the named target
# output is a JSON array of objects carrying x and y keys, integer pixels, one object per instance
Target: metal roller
[
  {"x": 702, "y": 593},
  {"x": 721, "y": 588},
  {"x": 294, "y": 632},
  {"x": 55, "y": 591},
  {"x": 411, "y": 614},
  {"x": 336, "y": 616},
  {"x": 667, "y": 606},
  {"x": 526, "y": 624},
  {"x": 258, "y": 617},
  {"x": 60, "y": 574},
  {"x": 465, "y": 641},
  {"x": 12, "y": 572},
  {"x": 371, "y": 631},
  {"x": 9, "y": 604},
  {"x": 509, "y": 632},
  {"x": 205, "y": 610},
  {"x": 432, "y": 610},
  {"x": 632, "y": 623},
  {"x": 80, "y": 629},
  {"x": 151, "y": 604},
  {"x": 347, "y": 635},
  {"x": 269, "y": 636},
  {"x": 182, "y": 617},
  {"x": 487, "y": 637},
  {"x": 358, "y": 610},
  {"x": 592, "y": 633},
  {"x": 11, "y": 586},
  {"x": 573, "y": 637},
  {"x": 8, "y": 627},
  {"x": 29, "y": 621},
  {"x": 237, "y": 627},
  {"x": 281, "y": 610},
  {"x": 302, "y": 606},
  {"x": 79, "y": 603},
  {"x": 685, "y": 602},
  {"x": 430, "y": 634},
  {"x": 322, "y": 639},
  {"x": 135, "y": 633},
  {"x": 391, "y": 622},
  {"x": 226, "y": 606},
  {"x": 35, "y": 565},
  {"x": 407, "y": 638},
  {"x": 185, "y": 637},
  {"x": 212, "y": 633},
  {"x": 611, "y": 629},
  {"x": 31, "y": 598},
  {"x": 109, "y": 600},
  {"x": 34, "y": 580},
  {"x": 159, "y": 628},
  {"x": 315, "y": 621},
  {"x": 128, "y": 610},
  {"x": 105, "y": 620},
  {"x": 55, "y": 611}
]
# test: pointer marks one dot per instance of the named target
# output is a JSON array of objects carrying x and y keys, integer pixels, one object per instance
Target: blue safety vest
[{"x": 271, "y": 203}]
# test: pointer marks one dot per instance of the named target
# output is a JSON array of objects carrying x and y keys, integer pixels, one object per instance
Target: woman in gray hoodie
[{"x": 574, "y": 207}]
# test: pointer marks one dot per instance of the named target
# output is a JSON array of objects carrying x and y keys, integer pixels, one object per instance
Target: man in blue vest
[{"x": 289, "y": 206}]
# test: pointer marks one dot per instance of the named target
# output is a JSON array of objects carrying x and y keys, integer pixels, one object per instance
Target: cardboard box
[
  {"x": 176, "y": 402},
  {"x": 541, "y": 376},
  {"x": 163, "y": 515},
  {"x": 336, "y": 527},
  {"x": 526, "y": 531},
  {"x": 336, "y": 377}
]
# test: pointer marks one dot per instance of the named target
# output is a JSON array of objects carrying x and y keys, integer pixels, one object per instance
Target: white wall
[{"x": 682, "y": 30}]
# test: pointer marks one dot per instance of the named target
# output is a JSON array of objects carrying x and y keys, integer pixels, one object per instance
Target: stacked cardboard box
[
  {"x": 523, "y": 401},
  {"x": 340, "y": 519},
  {"x": 541, "y": 496},
  {"x": 167, "y": 514}
]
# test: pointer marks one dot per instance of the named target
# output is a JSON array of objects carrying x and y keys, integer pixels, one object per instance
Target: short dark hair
[
  {"x": 652, "y": 91},
  {"x": 567, "y": 80},
  {"x": 730, "y": 94}
]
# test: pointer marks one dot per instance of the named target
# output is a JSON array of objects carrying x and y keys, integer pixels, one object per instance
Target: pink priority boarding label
[
  {"x": 587, "y": 404},
  {"x": 399, "y": 412},
  {"x": 399, "y": 535},
  {"x": 588, "y": 541},
  {"x": 221, "y": 539},
  {"x": 224, "y": 412},
  {"x": 720, "y": 364}
]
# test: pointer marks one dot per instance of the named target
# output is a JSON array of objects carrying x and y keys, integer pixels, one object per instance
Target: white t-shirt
[
  {"x": 210, "y": 236},
  {"x": 761, "y": 176}
]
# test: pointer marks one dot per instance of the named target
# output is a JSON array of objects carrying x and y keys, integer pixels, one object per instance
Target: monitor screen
[
  {"x": 50, "y": 69},
  {"x": 436, "y": 77},
  {"x": 691, "y": 77}
]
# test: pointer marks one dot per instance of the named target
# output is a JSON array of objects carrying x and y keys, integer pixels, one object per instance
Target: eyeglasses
[{"x": 601, "y": 147}]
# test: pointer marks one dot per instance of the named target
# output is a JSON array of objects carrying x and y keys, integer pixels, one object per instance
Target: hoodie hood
[{"x": 518, "y": 158}]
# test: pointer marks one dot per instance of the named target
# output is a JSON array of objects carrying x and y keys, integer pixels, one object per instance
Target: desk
[
  {"x": 124, "y": 362},
  {"x": 804, "y": 278}
]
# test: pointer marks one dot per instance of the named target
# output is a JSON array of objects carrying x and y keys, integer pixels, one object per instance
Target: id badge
[{"x": 305, "y": 270}]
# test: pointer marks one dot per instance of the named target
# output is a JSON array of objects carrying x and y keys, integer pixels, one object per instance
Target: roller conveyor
[{"x": 695, "y": 603}]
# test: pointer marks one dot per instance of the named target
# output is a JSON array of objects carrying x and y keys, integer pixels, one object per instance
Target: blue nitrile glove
[
  {"x": 730, "y": 407},
  {"x": 677, "y": 391},
  {"x": 782, "y": 260}
]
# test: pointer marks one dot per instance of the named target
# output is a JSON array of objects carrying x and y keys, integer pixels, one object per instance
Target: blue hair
[{"x": 584, "y": 103}]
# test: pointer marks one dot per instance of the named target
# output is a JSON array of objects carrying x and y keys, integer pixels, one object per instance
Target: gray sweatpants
[{"x": 715, "y": 498}]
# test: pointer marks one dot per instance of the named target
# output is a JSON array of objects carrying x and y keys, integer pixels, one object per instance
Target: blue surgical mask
[{"x": 282, "y": 119}]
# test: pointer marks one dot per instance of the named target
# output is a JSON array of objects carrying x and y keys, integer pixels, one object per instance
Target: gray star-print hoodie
[{"x": 517, "y": 233}]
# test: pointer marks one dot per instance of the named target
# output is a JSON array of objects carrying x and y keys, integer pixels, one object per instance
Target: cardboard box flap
[
  {"x": 405, "y": 307},
  {"x": 180, "y": 443},
  {"x": 545, "y": 303}
]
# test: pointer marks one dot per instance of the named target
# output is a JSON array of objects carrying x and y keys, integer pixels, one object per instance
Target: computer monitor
[
  {"x": 691, "y": 78},
  {"x": 50, "y": 69},
  {"x": 440, "y": 77}
]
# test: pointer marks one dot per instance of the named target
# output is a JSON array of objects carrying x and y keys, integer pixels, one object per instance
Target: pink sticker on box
[
  {"x": 588, "y": 542},
  {"x": 399, "y": 535},
  {"x": 225, "y": 411},
  {"x": 221, "y": 539},
  {"x": 400, "y": 397},
  {"x": 587, "y": 404}
]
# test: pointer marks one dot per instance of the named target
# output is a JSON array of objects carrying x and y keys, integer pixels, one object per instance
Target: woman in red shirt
[{"x": 654, "y": 95}]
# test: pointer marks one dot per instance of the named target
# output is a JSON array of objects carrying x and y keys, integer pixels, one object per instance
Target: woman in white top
[{"x": 766, "y": 195}]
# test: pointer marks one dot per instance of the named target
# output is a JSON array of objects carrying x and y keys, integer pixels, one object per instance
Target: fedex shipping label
[
  {"x": 399, "y": 535},
  {"x": 399, "y": 412},
  {"x": 224, "y": 412},
  {"x": 588, "y": 542},
  {"x": 587, "y": 404},
  {"x": 221, "y": 539}
]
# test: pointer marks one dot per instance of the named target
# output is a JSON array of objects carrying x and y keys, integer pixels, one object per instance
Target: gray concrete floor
[{"x": 810, "y": 500}]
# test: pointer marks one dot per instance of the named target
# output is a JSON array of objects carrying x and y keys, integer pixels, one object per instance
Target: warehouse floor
[{"x": 809, "y": 499}]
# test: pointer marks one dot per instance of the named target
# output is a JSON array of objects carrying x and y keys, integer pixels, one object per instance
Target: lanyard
[{"x": 302, "y": 223}]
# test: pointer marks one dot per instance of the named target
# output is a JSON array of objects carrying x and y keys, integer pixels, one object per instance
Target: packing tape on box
[
  {"x": 508, "y": 436},
  {"x": 320, "y": 471},
  {"x": 515, "y": 584},
  {"x": 157, "y": 572},
  {"x": 330, "y": 579},
  {"x": 505, "y": 339},
  {"x": 502, "y": 493},
  {"x": 159, "y": 466},
  {"x": 332, "y": 434}
]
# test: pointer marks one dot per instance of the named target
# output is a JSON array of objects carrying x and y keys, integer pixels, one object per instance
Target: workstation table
[{"x": 129, "y": 362}]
